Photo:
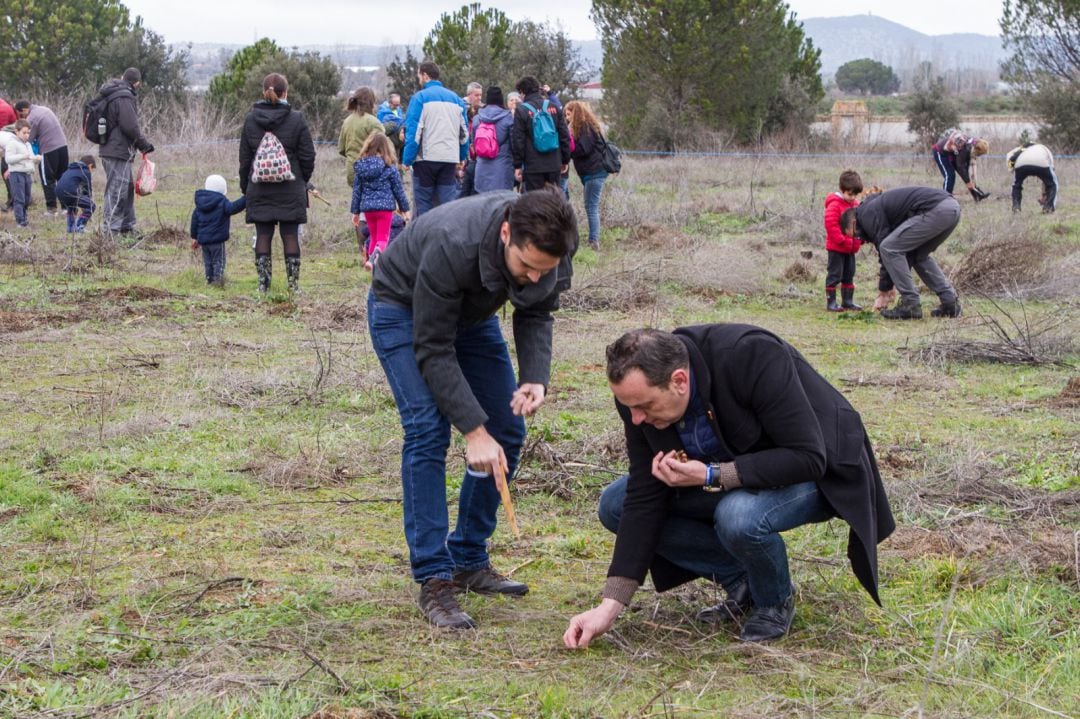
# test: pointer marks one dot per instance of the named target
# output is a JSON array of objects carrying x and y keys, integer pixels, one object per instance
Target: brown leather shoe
[
  {"x": 440, "y": 606},
  {"x": 488, "y": 581}
]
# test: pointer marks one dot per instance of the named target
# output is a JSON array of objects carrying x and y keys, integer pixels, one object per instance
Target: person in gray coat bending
[
  {"x": 432, "y": 317},
  {"x": 906, "y": 225}
]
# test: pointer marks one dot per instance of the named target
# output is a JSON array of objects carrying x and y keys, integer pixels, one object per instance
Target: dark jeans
[
  {"x": 946, "y": 165},
  {"x": 468, "y": 183},
  {"x": 485, "y": 362},
  {"x": 53, "y": 164},
  {"x": 213, "y": 257},
  {"x": 728, "y": 536},
  {"x": 841, "y": 269},
  {"x": 536, "y": 180},
  {"x": 1050, "y": 186},
  {"x": 21, "y": 182},
  {"x": 434, "y": 184}
]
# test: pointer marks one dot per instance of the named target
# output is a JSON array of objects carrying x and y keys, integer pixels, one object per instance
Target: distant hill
[{"x": 842, "y": 39}]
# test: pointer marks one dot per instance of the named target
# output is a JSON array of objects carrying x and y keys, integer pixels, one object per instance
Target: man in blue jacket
[
  {"x": 436, "y": 141},
  {"x": 431, "y": 314}
]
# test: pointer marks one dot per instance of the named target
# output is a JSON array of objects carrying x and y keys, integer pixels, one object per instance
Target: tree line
[{"x": 677, "y": 74}]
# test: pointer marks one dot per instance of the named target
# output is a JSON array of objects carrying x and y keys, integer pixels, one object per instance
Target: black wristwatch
[{"x": 712, "y": 478}]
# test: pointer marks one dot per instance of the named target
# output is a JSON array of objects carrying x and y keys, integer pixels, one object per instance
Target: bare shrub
[
  {"x": 623, "y": 290},
  {"x": 712, "y": 272},
  {"x": 995, "y": 267},
  {"x": 1012, "y": 338},
  {"x": 303, "y": 470},
  {"x": 798, "y": 271},
  {"x": 243, "y": 391}
]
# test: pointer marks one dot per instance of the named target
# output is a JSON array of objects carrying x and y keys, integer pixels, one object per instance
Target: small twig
[{"x": 211, "y": 587}]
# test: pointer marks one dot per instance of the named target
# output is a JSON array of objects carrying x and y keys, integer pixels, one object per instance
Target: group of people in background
[
  {"x": 907, "y": 224},
  {"x": 33, "y": 142}
]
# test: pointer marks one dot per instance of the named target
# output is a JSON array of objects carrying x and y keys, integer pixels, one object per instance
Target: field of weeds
[{"x": 200, "y": 511}]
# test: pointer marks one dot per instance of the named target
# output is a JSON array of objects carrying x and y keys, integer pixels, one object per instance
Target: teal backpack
[{"x": 545, "y": 138}]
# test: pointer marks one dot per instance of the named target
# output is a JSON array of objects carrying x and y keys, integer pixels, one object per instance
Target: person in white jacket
[
  {"x": 1026, "y": 161},
  {"x": 21, "y": 162}
]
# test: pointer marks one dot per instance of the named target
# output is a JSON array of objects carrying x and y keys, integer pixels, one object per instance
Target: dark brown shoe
[
  {"x": 440, "y": 606},
  {"x": 768, "y": 623},
  {"x": 488, "y": 581}
]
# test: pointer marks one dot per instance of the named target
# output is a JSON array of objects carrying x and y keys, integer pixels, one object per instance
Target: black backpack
[{"x": 95, "y": 124}]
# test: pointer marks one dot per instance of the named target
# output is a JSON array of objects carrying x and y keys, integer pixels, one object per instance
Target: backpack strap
[{"x": 530, "y": 108}]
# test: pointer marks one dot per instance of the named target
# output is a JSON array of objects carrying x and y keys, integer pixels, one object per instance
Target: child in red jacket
[{"x": 841, "y": 248}]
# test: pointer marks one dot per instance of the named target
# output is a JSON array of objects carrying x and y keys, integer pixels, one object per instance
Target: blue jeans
[
  {"x": 434, "y": 184},
  {"x": 485, "y": 361},
  {"x": 732, "y": 535},
  {"x": 21, "y": 182},
  {"x": 594, "y": 185},
  {"x": 213, "y": 257}
]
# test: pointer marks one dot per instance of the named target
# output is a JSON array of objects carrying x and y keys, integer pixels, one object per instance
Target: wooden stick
[
  {"x": 317, "y": 196},
  {"x": 504, "y": 492}
]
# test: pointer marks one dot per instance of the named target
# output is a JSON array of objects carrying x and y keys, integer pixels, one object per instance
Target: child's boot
[
  {"x": 292, "y": 272},
  {"x": 830, "y": 304},
  {"x": 81, "y": 222},
  {"x": 847, "y": 293},
  {"x": 265, "y": 270}
]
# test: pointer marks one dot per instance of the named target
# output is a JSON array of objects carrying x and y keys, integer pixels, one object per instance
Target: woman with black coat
[
  {"x": 587, "y": 152},
  {"x": 282, "y": 204}
]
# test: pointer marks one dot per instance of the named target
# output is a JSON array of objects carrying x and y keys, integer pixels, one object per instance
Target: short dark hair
[
  {"x": 494, "y": 96},
  {"x": 88, "y": 160},
  {"x": 132, "y": 75},
  {"x": 21, "y": 105},
  {"x": 527, "y": 85},
  {"x": 655, "y": 352},
  {"x": 20, "y": 124},
  {"x": 544, "y": 219},
  {"x": 850, "y": 181},
  {"x": 430, "y": 69},
  {"x": 846, "y": 219}
]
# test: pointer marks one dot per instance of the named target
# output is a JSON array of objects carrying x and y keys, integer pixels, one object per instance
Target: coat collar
[{"x": 700, "y": 370}]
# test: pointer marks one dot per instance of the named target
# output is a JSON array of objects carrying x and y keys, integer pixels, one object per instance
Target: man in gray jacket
[
  {"x": 906, "y": 225},
  {"x": 45, "y": 129},
  {"x": 431, "y": 314},
  {"x": 119, "y": 150}
]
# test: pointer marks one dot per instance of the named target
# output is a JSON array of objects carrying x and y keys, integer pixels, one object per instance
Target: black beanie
[
  {"x": 132, "y": 75},
  {"x": 494, "y": 96}
]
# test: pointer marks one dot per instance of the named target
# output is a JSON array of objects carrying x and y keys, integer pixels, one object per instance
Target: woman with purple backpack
[{"x": 490, "y": 134}]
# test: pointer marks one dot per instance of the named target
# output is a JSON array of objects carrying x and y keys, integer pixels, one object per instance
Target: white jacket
[
  {"x": 18, "y": 155},
  {"x": 1031, "y": 156}
]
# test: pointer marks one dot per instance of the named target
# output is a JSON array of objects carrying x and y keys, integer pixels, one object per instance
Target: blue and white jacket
[{"x": 436, "y": 126}]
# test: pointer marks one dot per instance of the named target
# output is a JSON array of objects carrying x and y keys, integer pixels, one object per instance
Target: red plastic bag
[{"x": 145, "y": 182}]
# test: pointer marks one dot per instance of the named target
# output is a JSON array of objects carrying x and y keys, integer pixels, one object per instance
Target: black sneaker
[
  {"x": 766, "y": 623},
  {"x": 736, "y": 605},
  {"x": 903, "y": 312},
  {"x": 488, "y": 581},
  {"x": 947, "y": 309},
  {"x": 440, "y": 606}
]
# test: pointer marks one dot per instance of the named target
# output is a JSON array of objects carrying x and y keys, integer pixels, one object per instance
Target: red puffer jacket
[{"x": 835, "y": 239}]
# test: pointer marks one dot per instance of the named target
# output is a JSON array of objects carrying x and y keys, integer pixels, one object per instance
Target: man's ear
[{"x": 680, "y": 380}]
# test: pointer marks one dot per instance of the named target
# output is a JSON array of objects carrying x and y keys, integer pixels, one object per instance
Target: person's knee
[
  {"x": 611, "y": 504},
  {"x": 738, "y": 520}
]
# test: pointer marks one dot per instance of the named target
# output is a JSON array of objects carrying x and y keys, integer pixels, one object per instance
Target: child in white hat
[{"x": 210, "y": 226}]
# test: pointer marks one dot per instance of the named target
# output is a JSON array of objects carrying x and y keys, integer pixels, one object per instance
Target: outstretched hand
[
  {"x": 527, "y": 399},
  {"x": 591, "y": 624}
]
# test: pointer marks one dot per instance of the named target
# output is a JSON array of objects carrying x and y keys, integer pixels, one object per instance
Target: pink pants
[{"x": 378, "y": 222}]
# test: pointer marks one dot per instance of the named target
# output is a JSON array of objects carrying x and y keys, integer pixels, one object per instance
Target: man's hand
[
  {"x": 563, "y": 169},
  {"x": 194, "y": 244},
  {"x": 588, "y": 625},
  {"x": 517, "y": 174},
  {"x": 527, "y": 399},
  {"x": 884, "y": 299},
  {"x": 673, "y": 472},
  {"x": 483, "y": 453},
  {"x": 356, "y": 220}
]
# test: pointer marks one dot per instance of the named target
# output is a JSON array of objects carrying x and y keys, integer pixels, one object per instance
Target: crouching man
[{"x": 732, "y": 438}]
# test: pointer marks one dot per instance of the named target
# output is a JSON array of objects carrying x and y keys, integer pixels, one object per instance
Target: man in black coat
[
  {"x": 907, "y": 224},
  {"x": 732, "y": 438},
  {"x": 118, "y": 152}
]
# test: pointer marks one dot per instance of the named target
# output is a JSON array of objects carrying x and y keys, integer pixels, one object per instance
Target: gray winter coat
[
  {"x": 449, "y": 267},
  {"x": 496, "y": 173}
]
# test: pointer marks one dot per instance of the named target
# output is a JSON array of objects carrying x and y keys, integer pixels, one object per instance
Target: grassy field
[{"x": 200, "y": 510}]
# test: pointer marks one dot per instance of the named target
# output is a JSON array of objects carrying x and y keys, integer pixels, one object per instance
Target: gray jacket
[
  {"x": 45, "y": 128},
  {"x": 880, "y": 214},
  {"x": 449, "y": 267},
  {"x": 122, "y": 116}
]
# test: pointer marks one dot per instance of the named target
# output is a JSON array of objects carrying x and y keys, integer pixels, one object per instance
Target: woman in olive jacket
[{"x": 281, "y": 204}]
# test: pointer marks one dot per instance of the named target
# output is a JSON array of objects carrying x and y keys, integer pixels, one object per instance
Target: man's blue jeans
[
  {"x": 729, "y": 536},
  {"x": 594, "y": 186},
  {"x": 485, "y": 362},
  {"x": 434, "y": 184}
]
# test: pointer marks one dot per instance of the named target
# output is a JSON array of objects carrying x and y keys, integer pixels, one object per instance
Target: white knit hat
[{"x": 216, "y": 183}]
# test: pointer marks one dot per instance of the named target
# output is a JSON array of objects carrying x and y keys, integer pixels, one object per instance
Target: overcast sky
[{"x": 334, "y": 22}]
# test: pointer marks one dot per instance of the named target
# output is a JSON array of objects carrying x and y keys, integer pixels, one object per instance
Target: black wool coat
[
  {"x": 277, "y": 201},
  {"x": 783, "y": 423}
]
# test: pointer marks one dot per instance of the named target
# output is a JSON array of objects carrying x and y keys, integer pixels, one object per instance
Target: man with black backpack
[
  {"x": 116, "y": 129},
  {"x": 540, "y": 140}
]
